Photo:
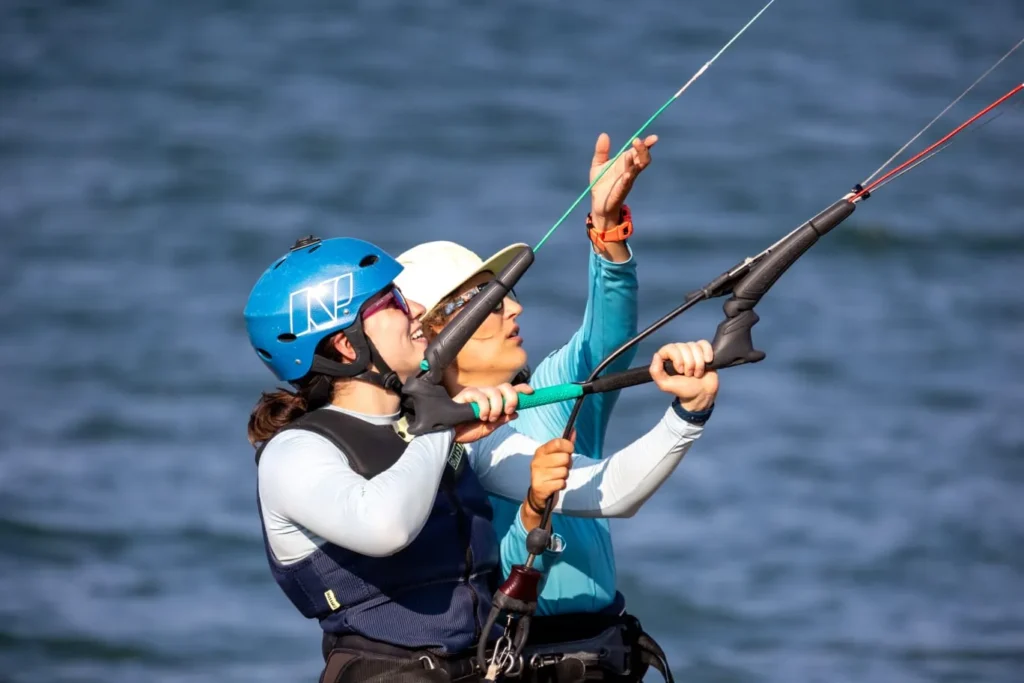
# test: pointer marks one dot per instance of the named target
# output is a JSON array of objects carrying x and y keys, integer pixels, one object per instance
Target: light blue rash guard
[{"x": 579, "y": 570}]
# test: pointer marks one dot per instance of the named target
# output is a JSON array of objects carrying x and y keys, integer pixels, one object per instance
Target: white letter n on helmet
[{"x": 319, "y": 306}]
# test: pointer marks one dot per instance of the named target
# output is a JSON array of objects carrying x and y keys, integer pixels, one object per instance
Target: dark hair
[
  {"x": 277, "y": 409},
  {"x": 436, "y": 317}
]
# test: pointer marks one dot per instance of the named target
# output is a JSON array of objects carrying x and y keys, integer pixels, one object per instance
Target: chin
[
  {"x": 506, "y": 367},
  {"x": 516, "y": 359}
]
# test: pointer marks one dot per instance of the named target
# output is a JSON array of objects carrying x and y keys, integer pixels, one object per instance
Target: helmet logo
[{"x": 319, "y": 306}]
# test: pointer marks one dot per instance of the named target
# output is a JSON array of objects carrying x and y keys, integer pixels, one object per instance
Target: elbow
[
  {"x": 389, "y": 537},
  {"x": 385, "y": 546},
  {"x": 622, "y": 509}
]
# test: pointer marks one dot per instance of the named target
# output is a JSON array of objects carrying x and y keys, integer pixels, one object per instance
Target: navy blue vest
[{"x": 433, "y": 594}]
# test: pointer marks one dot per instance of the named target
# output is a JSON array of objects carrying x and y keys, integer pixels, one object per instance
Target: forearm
[
  {"x": 610, "y": 318},
  {"x": 614, "y": 487},
  {"x": 619, "y": 485},
  {"x": 613, "y": 297},
  {"x": 612, "y": 307}
]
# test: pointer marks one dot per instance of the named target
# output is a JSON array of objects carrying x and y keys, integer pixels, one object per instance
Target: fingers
[
  {"x": 702, "y": 354},
  {"x": 705, "y": 347},
  {"x": 563, "y": 446},
  {"x": 680, "y": 356},
  {"x": 495, "y": 405},
  {"x": 611, "y": 192},
  {"x": 495, "y": 399},
  {"x": 698, "y": 358},
  {"x": 641, "y": 155},
  {"x": 555, "y": 454},
  {"x": 549, "y": 481},
  {"x": 552, "y": 471},
  {"x": 472, "y": 395},
  {"x": 487, "y": 399},
  {"x": 629, "y": 165},
  {"x": 550, "y": 467},
  {"x": 635, "y": 159},
  {"x": 509, "y": 397},
  {"x": 657, "y": 368},
  {"x": 690, "y": 359},
  {"x": 601, "y": 149},
  {"x": 638, "y": 158},
  {"x": 697, "y": 385}
]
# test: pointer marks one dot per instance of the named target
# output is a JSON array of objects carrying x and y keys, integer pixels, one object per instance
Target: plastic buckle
[{"x": 618, "y": 233}]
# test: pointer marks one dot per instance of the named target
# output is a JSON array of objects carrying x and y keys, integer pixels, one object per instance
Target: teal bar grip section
[{"x": 544, "y": 396}]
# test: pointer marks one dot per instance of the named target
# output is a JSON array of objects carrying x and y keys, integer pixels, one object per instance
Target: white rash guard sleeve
[
  {"x": 616, "y": 486},
  {"x": 309, "y": 494}
]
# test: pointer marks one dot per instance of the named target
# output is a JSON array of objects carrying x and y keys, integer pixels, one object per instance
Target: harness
[{"x": 567, "y": 648}]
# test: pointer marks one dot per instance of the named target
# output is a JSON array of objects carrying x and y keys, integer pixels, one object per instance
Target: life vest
[{"x": 433, "y": 594}]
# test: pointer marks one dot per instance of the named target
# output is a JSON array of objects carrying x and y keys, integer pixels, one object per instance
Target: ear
[{"x": 344, "y": 347}]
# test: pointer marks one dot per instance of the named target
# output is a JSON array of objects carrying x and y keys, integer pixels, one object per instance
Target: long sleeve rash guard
[{"x": 309, "y": 495}]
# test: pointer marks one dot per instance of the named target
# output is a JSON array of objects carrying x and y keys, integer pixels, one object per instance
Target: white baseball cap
[{"x": 433, "y": 270}]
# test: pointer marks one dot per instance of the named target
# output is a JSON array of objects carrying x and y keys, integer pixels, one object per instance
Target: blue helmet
[{"x": 310, "y": 293}]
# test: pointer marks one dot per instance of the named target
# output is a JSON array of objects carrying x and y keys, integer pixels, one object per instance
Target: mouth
[
  {"x": 514, "y": 335},
  {"x": 418, "y": 337}
]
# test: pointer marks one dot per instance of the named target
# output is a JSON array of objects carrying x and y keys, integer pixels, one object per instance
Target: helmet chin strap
[
  {"x": 523, "y": 376},
  {"x": 367, "y": 356}
]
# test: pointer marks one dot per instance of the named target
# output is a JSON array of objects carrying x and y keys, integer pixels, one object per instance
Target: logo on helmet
[{"x": 319, "y": 306}]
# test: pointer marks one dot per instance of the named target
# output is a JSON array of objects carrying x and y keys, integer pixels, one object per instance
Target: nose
[
  {"x": 416, "y": 309},
  {"x": 512, "y": 307}
]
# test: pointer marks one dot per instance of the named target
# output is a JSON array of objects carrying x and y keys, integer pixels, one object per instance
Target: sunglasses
[
  {"x": 467, "y": 296},
  {"x": 392, "y": 298}
]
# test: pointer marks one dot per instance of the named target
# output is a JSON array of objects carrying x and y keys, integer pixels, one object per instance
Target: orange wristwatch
[{"x": 618, "y": 233}]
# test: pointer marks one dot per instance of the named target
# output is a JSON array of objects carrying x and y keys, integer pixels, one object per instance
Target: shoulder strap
[
  {"x": 456, "y": 454},
  {"x": 370, "y": 448}
]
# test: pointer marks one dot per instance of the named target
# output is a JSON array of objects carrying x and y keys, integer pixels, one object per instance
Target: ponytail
[{"x": 277, "y": 409}]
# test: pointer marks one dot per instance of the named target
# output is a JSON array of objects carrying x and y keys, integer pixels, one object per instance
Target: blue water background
[{"x": 853, "y": 512}]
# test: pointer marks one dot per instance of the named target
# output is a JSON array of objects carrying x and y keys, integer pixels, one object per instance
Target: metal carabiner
[{"x": 518, "y": 670}]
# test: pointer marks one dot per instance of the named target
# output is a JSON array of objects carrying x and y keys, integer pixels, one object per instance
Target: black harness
[{"x": 567, "y": 648}]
